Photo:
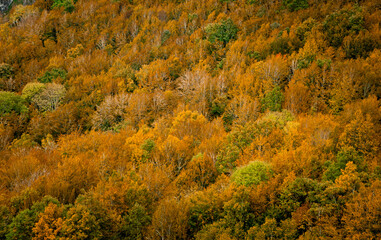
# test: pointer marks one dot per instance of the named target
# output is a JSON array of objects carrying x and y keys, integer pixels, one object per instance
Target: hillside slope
[{"x": 219, "y": 119}]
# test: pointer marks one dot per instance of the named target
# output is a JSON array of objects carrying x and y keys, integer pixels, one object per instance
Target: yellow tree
[{"x": 49, "y": 224}]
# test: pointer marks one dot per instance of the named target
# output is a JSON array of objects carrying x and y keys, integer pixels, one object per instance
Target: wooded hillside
[{"x": 190, "y": 119}]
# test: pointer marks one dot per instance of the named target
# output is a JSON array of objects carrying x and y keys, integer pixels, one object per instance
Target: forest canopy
[{"x": 197, "y": 119}]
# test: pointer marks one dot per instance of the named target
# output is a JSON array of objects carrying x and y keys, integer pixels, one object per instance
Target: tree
[
  {"x": 252, "y": 174},
  {"x": 169, "y": 221},
  {"x": 66, "y": 4},
  {"x": 347, "y": 154},
  {"x": 224, "y": 31},
  {"x": 5, "y": 220},
  {"x": 362, "y": 215},
  {"x": 111, "y": 112},
  {"x": 295, "y": 5},
  {"x": 52, "y": 74},
  {"x": 22, "y": 224},
  {"x": 49, "y": 223},
  {"x": 360, "y": 134},
  {"x": 31, "y": 90},
  {"x": 273, "y": 100},
  {"x": 188, "y": 123},
  {"x": 136, "y": 222},
  {"x": 6, "y": 77},
  {"x": 340, "y": 24},
  {"x": 11, "y": 102},
  {"x": 297, "y": 97},
  {"x": 50, "y": 98},
  {"x": 80, "y": 224}
]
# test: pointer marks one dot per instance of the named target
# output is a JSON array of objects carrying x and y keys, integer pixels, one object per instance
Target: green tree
[
  {"x": 252, "y": 174},
  {"x": 52, "y": 74},
  {"x": 340, "y": 24},
  {"x": 22, "y": 224},
  {"x": 295, "y": 5},
  {"x": 11, "y": 102},
  {"x": 31, "y": 90},
  {"x": 347, "y": 154},
  {"x": 223, "y": 31},
  {"x": 68, "y": 5},
  {"x": 135, "y": 222},
  {"x": 5, "y": 220},
  {"x": 80, "y": 224},
  {"x": 273, "y": 100}
]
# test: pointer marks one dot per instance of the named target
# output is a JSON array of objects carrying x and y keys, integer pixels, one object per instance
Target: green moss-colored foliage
[
  {"x": 227, "y": 157},
  {"x": 25, "y": 141},
  {"x": 105, "y": 218},
  {"x": 235, "y": 219},
  {"x": 68, "y": 5},
  {"x": 11, "y": 102},
  {"x": 223, "y": 31},
  {"x": 278, "y": 119},
  {"x": 255, "y": 55},
  {"x": 22, "y": 224},
  {"x": 360, "y": 46},
  {"x": 271, "y": 228},
  {"x": 280, "y": 45},
  {"x": 135, "y": 222},
  {"x": 297, "y": 193},
  {"x": 273, "y": 100},
  {"x": 218, "y": 106},
  {"x": 165, "y": 36},
  {"x": 340, "y": 24},
  {"x": 295, "y": 5},
  {"x": 31, "y": 90},
  {"x": 237, "y": 215},
  {"x": 242, "y": 136},
  {"x": 346, "y": 155},
  {"x": 52, "y": 74},
  {"x": 305, "y": 28},
  {"x": 147, "y": 147},
  {"x": 203, "y": 212},
  {"x": 252, "y": 174}
]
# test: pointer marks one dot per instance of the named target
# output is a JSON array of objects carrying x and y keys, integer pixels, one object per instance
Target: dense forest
[{"x": 190, "y": 119}]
